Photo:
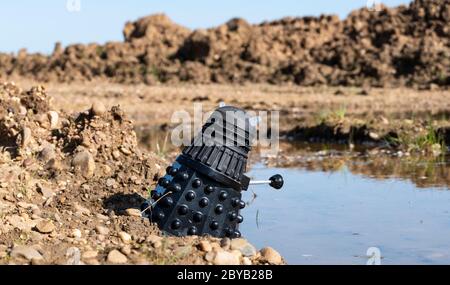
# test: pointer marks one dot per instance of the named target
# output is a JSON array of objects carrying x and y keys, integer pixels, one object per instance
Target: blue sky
[{"x": 37, "y": 25}]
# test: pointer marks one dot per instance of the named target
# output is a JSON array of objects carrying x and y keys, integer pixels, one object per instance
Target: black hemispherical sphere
[
  {"x": 198, "y": 216},
  {"x": 183, "y": 210},
  {"x": 176, "y": 224},
  {"x": 209, "y": 189},
  {"x": 196, "y": 183},
  {"x": 190, "y": 195},
  {"x": 204, "y": 202},
  {"x": 219, "y": 209},
  {"x": 223, "y": 196},
  {"x": 192, "y": 231},
  {"x": 214, "y": 225}
]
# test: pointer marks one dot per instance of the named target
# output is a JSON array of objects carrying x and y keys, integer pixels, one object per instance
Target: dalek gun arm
[{"x": 276, "y": 182}]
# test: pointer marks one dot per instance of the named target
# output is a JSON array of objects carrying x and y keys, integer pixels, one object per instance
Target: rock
[
  {"x": 226, "y": 258},
  {"x": 84, "y": 164},
  {"x": 25, "y": 137},
  {"x": 125, "y": 237},
  {"x": 45, "y": 227},
  {"x": 210, "y": 256},
  {"x": 271, "y": 255},
  {"x": 110, "y": 182},
  {"x": 53, "y": 117},
  {"x": 116, "y": 257},
  {"x": 98, "y": 109},
  {"x": 374, "y": 136},
  {"x": 225, "y": 243},
  {"x": 46, "y": 192},
  {"x": 243, "y": 246},
  {"x": 73, "y": 255},
  {"x": 205, "y": 246},
  {"x": 90, "y": 254},
  {"x": 102, "y": 230},
  {"x": 125, "y": 150},
  {"x": 76, "y": 233},
  {"x": 246, "y": 261},
  {"x": 116, "y": 154},
  {"x": 133, "y": 212},
  {"x": 26, "y": 252},
  {"x": 47, "y": 153}
]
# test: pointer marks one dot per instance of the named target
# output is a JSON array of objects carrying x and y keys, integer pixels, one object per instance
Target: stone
[
  {"x": 45, "y": 227},
  {"x": 47, "y": 153},
  {"x": 26, "y": 136},
  {"x": 246, "y": 261},
  {"x": 101, "y": 230},
  {"x": 125, "y": 237},
  {"x": 90, "y": 254},
  {"x": 226, "y": 258},
  {"x": 205, "y": 246},
  {"x": 98, "y": 108},
  {"x": 133, "y": 212},
  {"x": 76, "y": 233},
  {"x": 73, "y": 255},
  {"x": 84, "y": 164},
  {"x": 125, "y": 150},
  {"x": 26, "y": 252},
  {"x": 271, "y": 255},
  {"x": 116, "y": 257},
  {"x": 110, "y": 182},
  {"x": 46, "y": 192},
  {"x": 243, "y": 246},
  {"x": 225, "y": 243},
  {"x": 210, "y": 256},
  {"x": 53, "y": 118}
]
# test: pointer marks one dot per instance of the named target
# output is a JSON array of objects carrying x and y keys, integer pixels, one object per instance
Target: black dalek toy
[{"x": 201, "y": 192}]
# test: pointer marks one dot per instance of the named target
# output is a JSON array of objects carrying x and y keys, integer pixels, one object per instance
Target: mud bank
[{"x": 403, "y": 46}]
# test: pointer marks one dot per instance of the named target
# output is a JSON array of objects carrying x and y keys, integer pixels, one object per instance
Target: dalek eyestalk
[{"x": 201, "y": 192}]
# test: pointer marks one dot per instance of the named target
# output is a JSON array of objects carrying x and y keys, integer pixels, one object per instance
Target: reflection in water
[
  {"x": 332, "y": 216},
  {"x": 380, "y": 164}
]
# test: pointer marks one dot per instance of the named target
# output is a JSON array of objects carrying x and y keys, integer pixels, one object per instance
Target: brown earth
[
  {"x": 71, "y": 186},
  {"x": 403, "y": 46}
]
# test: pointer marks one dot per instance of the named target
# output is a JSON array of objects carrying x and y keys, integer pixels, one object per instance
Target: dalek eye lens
[
  {"x": 197, "y": 183},
  {"x": 219, "y": 209},
  {"x": 198, "y": 217},
  {"x": 176, "y": 224},
  {"x": 223, "y": 196},
  {"x": 209, "y": 189},
  {"x": 183, "y": 210},
  {"x": 204, "y": 202},
  {"x": 190, "y": 195}
]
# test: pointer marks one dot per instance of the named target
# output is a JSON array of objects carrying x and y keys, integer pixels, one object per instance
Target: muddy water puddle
[{"x": 334, "y": 208}]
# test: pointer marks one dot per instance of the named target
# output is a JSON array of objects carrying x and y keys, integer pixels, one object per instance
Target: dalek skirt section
[{"x": 201, "y": 192}]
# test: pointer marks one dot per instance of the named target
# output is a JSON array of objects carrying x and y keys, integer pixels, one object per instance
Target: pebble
[
  {"x": 226, "y": 258},
  {"x": 73, "y": 255},
  {"x": 271, "y": 255},
  {"x": 90, "y": 254},
  {"x": 47, "y": 153},
  {"x": 210, "y": 256},
  {"x": 205, "y": 246},
  {"x": 116, "y": 257},
  {"x": 125, "y": 150},
  {"x": 84, "y": 163},
  {"x": 45, "y": 227},
  {"x": 53, "y": 117},
  {"x": 243, "y": 246},
  {"x": 102, "y": 230},
  {"x": 98, "y": 109},
  {"x": 133, "y": 212},
  {"x": 76, "y": 233},
  {"x": 26, "y": 137},
  {"x": 125, "y": 237},
  {"x": 110, "y": 182},
  {"x": 26, "y": 252},
  {"x": 225, "y": 243},
  {"x": 246, "y": 261},
  {"x": 46, "y": 192}
]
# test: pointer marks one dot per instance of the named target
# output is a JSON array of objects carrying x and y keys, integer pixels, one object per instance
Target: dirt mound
[
  {"x": 385, "y": 47},
  {"x": 71, "y": 186}
]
